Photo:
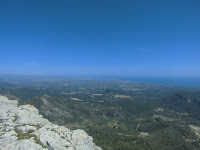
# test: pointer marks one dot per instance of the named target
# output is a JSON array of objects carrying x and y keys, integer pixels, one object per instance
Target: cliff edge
[{"x": 23, "y": 128}]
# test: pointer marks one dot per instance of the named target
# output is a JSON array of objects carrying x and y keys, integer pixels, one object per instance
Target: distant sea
[{"x": 180, "y": 81}]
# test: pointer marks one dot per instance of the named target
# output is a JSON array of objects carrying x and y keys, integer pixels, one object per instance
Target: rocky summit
[{"x": 23, "y": 128}]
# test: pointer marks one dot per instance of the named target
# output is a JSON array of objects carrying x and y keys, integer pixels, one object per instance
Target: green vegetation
[
  {"x": 117, "y": 114},
  {"x": 15, "y": 118},
  {"x": 27, "y": 135}
]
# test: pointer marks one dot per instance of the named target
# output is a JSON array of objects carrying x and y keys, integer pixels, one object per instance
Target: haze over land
[{"x": 118, "y": 114}]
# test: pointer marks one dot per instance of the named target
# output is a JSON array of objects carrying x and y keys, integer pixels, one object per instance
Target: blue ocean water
[{"x": 180, "y": 81}]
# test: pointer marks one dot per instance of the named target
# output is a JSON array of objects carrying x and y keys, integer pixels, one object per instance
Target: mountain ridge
[{"x": 22, "y": 128}]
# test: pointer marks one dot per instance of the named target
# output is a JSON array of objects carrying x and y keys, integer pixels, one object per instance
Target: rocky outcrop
[{"x": 23, "y": 128}]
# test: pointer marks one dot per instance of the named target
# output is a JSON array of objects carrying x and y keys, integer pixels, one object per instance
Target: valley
[{"x": 117, "y": 114}]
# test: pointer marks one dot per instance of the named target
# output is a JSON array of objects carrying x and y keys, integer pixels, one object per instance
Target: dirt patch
[
  {"x": 75, "y": 99},
  {"x": 196, "y": 130},
  {"x": 121, "y": 96},
  {"x": 97, "y": 94}
]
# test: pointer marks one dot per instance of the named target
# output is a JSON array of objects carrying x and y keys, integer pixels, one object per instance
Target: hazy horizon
[{"x": 165, "y": 80}]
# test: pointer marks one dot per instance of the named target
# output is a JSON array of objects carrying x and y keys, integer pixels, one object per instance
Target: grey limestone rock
[
  {"x": 23, "y": 145},
  {"x": 23, "y": 128},
  {"x": 26, "y": 128}
]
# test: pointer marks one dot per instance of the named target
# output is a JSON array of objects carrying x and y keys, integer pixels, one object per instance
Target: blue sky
[{"x": 100, "y": 37}]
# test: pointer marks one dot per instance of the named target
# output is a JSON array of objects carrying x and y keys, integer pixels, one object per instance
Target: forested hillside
[{"x": 117, "y": 114}]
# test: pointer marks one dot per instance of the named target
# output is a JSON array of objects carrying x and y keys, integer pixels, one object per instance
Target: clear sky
[{"x": 100, "y": 37}]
